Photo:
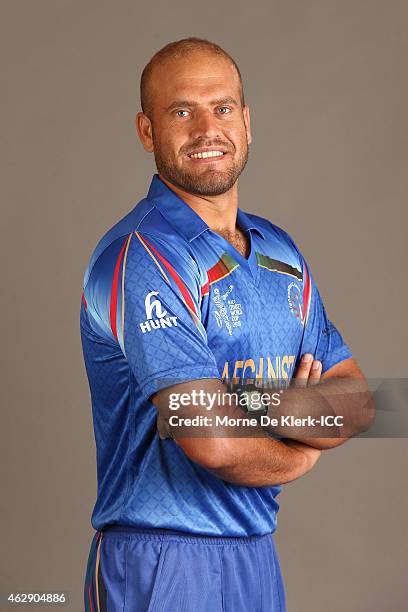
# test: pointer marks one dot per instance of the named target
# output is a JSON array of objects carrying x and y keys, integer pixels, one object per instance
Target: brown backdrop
[{"x": 326, "y": 84}]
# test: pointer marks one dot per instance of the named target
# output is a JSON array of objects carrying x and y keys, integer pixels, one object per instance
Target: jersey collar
[{"x": 182, "y": 217}]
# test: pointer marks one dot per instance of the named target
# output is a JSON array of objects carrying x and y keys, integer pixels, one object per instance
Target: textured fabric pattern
[{"x": 165, "y": 300}]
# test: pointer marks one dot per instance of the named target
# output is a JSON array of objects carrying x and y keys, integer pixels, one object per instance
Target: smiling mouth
[{"x": 215, "y": 154}]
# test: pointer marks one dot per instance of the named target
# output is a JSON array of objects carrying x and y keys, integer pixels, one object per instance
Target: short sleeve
[
  {"x": 320, "y": 337},
  {"x": 158, "y": 316}
]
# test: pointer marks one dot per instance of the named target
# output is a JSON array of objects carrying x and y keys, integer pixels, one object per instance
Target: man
[{"x": 183, "y": 295}]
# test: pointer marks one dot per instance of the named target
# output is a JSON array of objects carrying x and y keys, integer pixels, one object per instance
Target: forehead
[{"x": 197, "y": 77}]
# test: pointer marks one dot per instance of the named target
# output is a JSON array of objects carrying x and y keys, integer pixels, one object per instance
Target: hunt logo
[{"x": 158, "y": 320}]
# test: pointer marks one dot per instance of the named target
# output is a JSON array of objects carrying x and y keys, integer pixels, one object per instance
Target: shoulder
[
  {"x": 143, "y": 234},
  {"x": 139, "y": 251},
  {"x": 107, "y": 247}
]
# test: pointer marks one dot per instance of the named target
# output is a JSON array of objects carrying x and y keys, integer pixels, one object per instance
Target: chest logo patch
[{"x": 295, "y": 301}]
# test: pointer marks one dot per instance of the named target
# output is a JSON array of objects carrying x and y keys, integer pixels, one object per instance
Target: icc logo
[{"x": 160, "y": 320}]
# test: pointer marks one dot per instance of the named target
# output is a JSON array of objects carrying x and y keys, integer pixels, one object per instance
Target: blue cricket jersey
[{"x": 166, "y": 299}]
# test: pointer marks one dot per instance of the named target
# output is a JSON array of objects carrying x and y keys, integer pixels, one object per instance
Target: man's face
[{"x": 200, "y": 133}]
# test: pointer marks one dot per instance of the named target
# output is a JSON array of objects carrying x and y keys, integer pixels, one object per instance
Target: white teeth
[{"x": 205, "y": 154}]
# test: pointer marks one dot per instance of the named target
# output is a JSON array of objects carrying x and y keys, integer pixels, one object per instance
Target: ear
[
  {"x": 247, "y": 121},
  {"x": 144, "y": 130}
]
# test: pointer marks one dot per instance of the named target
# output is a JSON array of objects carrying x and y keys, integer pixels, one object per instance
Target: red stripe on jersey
[
  {"x": 205, "y": 289},
  {"x": 221, "y": 269},
  {"x": 90, "y": 598},
  {"x": 217, "y": 271},
  {"x": 84, "y": 301},
  {"x": 306, "y": 294},
  {"x": 184, "y": 291},
  {"x": 114, "y": 292}
]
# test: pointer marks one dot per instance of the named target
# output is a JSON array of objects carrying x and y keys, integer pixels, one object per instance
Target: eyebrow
[{"x": 193, "y": 104}]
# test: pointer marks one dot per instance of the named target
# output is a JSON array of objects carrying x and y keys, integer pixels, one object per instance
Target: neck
[{"x": 218, "y": 212}]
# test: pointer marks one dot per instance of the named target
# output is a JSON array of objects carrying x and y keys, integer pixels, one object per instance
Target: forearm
[
  {"x": 256, "y": 462},
  {"x": 225, "y": 441}
]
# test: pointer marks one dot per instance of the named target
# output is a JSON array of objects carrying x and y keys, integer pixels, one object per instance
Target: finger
[
  {"x": 315, "y": 372},
  {"x": 302, "y": 374}
]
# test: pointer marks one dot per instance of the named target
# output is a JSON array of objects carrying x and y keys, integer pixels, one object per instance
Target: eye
[
  {"x": 179, "y": 113},
  {"x": 224, "y": 110}
]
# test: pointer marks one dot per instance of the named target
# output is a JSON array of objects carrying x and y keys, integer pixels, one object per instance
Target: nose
[{"x": 205, "y": 125}]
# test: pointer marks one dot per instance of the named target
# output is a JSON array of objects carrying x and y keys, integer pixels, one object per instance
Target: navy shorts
[{"x": 133, "y": 570}]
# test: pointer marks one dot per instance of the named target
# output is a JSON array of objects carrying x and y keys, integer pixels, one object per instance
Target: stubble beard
[{"x": 211, "y": 182}]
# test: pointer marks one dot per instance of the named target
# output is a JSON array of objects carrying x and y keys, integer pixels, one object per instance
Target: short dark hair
[{"x": 180, "y": 49}]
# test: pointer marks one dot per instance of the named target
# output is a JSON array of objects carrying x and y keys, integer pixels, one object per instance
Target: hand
[{"x": 308, "y": 373}]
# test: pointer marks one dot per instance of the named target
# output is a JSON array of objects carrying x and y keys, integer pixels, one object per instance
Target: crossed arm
[{"x": 261, "y": 460}]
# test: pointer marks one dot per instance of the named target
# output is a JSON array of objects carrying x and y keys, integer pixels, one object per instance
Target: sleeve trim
[
  {"x": 168, "y": 378},
  {"x": 341, "y": 355}
]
